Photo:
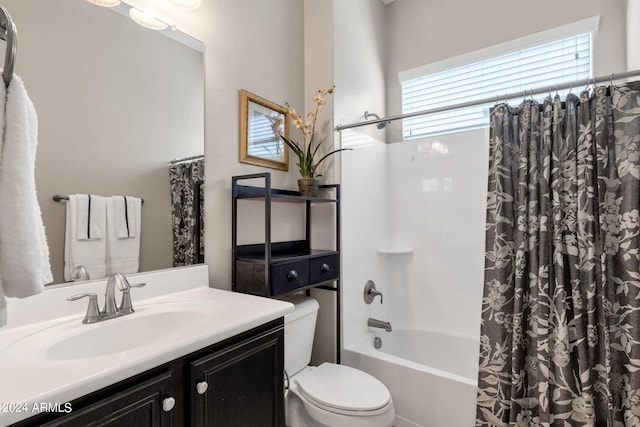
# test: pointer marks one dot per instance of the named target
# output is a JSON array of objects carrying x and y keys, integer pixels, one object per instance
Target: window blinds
[{"x": 545, "y": 65}]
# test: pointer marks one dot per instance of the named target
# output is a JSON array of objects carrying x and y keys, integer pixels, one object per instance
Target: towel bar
[{"x": 58, "y": 198}]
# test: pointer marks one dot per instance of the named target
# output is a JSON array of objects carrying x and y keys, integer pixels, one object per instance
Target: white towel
[
  {"x": 123, "y": 254},
  {"x": 24, "y": 254},
  {"x": 92, "y": 254},
  {"x": 91, "y": 214},
  {"x": 125, "y": 214}
]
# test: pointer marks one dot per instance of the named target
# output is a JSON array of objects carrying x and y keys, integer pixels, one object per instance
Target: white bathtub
[{"x": 432, "y": 376}]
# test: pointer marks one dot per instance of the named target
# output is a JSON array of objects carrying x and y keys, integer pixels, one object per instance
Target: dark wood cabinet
[
  {"x": 237, "y": 382},
  {"x": 236, "y": 387},
  {"x": 147, "y": 404}
]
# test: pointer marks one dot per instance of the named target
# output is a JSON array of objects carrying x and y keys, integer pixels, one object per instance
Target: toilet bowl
[{"x": 328, "y": 395}]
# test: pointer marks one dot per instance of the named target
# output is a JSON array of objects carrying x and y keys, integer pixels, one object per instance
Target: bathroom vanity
[
  {"x": 198, "y": 357},
  {"x": 237, "y": 382}
]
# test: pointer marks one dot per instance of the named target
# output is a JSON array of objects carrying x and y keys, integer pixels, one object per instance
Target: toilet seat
[{"x": 344, "y": 390}]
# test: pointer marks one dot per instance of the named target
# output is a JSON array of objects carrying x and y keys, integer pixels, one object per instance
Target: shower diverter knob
[{"x": 370, "y": 292}]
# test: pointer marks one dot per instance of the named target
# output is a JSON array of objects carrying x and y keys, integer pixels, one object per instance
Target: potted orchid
[{"x": 308, "y": 149}]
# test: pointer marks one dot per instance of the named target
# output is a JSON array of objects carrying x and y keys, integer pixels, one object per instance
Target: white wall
[
  {"x": 633, "y": 35},
  {"x": 365, "y": 231},
  {"x": 437, "y": 199},
  {"x": 359, "y": 58}
]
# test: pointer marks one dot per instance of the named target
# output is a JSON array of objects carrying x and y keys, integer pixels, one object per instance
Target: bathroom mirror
[
  {"x": 261, "y": 123},
  {"x": 116, "y": 102}
]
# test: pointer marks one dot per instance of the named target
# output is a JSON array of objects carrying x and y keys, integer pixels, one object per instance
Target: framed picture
[{"x": 261, "y": 123}]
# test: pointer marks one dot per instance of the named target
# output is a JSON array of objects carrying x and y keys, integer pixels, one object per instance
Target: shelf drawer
[
  {"x": 325, "y": 268},
  {"x": 289, "y": 276}
]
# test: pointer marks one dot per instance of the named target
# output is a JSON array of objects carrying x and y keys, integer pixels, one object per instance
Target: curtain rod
[
  {"x": 186, "y": 159},
  {"x": 494, "y": 99}
]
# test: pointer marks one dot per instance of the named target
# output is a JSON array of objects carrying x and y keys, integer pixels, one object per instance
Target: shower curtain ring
[{"x": 588, "y": 85}]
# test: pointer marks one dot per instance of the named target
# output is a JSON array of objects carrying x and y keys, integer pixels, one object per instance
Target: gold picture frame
[{"x": 260, "y": 119}]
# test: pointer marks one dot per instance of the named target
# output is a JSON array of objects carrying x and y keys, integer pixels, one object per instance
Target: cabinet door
[
  {"x": 241, "y": 385},
  {"x": 147, "y": 404}
]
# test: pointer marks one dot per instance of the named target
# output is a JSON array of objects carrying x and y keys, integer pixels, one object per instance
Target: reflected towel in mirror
[
  {"x": 91, "y": 253},
  {"x": 125, "y": 212},
  {"x": 91, "y": 216},
  {"x": 123, "y": 254}
]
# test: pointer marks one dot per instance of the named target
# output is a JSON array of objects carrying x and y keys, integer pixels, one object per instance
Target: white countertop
[{"x": 31, "y": 379}]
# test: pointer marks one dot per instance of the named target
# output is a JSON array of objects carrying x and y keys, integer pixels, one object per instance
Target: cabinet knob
[
  {"x": 168, "y": 404},
  {"x": 202, "y": 387},
  {"x": 324, "y": 268},
  {"x": 292, "y": 275}
]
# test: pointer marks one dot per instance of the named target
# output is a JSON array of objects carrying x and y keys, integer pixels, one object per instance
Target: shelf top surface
[
  {"x": 286, "y": 255},
  {"x": 253, "y": 192}
]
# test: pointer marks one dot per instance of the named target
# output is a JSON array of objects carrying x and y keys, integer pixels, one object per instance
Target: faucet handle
[
  {"x": 93, "y": 312},
  {"x": 370, "y": 292},
  {"x": 125, "y": 304}
]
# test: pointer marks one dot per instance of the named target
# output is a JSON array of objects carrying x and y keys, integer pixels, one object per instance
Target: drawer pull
[
  {"x": 324, "y": 268},
  {"x": 292, "y": 275},
  {"x": 202, "y": 387},
  {"x": 168, "y": 404}
]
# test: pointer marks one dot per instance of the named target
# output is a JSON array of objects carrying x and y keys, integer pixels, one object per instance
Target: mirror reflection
[{"x": 116, "y": 103}]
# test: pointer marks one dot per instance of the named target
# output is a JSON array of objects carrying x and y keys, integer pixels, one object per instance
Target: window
[{"x": 544, "y": 65}]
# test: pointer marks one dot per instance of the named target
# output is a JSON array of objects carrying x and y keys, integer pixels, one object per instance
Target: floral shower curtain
[
  {"x": 187, "y": 200},
  {"x": 560, "y": 339}
]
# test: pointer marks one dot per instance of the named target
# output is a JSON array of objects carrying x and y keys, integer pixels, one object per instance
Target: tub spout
[{"x": 375, "y": 323}]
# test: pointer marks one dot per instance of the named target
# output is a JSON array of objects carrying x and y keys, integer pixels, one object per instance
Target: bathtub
[{"x": 432, "y": 376}]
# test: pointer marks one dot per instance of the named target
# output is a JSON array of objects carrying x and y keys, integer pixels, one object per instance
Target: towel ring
[{"x": 9, "y": 34}]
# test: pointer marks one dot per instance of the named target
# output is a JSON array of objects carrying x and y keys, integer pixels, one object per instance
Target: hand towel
[
  {"x": 125, "y": 214},
  {"x": 123, "y": 254},
  {"x": 24, "y": 253},
  {"x": 91, "y": 253},
  {"x": 91, "y": 216}
]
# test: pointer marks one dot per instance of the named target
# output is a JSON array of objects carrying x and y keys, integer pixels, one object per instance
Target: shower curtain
[
  {"x": 560, "y": 337},
  {"x": 187, "y": 201}
]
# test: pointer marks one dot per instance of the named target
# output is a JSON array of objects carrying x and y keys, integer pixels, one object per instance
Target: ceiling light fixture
[
  {"x": 105, "y": 3},
  {"x": 146, "y": 20},
  {"x": 187, "y": 4}
]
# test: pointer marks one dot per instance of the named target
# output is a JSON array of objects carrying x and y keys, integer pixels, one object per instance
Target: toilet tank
[{"x": 299, "y": 328}]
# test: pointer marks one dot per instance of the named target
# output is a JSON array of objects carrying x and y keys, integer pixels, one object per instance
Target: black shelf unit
[{"x": 276, "y": 269}]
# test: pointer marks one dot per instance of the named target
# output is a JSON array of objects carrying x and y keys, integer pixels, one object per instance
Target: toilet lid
[{"x": 344, "y": 388}]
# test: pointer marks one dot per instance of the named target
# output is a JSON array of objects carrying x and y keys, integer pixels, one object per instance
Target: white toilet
[{"x": 329, "y": 395}]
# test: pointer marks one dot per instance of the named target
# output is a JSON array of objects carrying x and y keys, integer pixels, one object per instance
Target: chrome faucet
[
  {"x": 110, "y": 309},
  {"x": 375, "y": 323},
  {"x": 80, "y": 273}
]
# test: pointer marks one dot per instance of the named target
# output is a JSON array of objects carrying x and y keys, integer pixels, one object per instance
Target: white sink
[{"x": 151, "y": 324}]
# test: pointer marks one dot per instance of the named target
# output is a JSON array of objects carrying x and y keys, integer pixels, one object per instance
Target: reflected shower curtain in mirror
[
  {"x": 560, "y": 338},
  {"x": 187, "y": 205}
]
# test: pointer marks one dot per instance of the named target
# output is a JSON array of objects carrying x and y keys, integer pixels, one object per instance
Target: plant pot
[{"x": 308, "y": 187}]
